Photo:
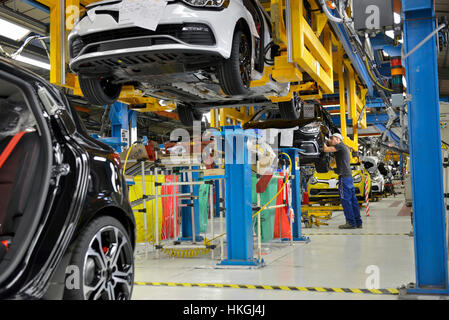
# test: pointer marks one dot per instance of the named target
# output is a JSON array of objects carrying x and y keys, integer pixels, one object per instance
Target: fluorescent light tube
[
  {"x": 12, "y": 30},
  {"x": 33, "y": 62}
]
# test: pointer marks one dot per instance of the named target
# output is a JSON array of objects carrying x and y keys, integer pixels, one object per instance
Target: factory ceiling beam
[{"x": 23, "y": 20}]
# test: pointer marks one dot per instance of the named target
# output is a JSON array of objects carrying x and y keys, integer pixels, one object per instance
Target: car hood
[{"x": 332, "y": 175}]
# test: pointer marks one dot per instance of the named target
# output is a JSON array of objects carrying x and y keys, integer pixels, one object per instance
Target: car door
[{"x": 53, "y": 205}]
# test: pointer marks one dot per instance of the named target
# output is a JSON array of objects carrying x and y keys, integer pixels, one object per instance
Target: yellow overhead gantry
[
  {"x": 63, "y": 15},
  {"x": 309, "y": 49},
  {"x": 304, "y": 49}
]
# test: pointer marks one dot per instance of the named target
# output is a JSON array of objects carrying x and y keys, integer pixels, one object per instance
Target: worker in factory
[{"x": 346, "y": 188}]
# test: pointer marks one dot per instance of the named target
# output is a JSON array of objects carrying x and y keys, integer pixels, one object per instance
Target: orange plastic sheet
[
  {"x": 281, "y": 221},
  {"x": 168, "y": 212}
]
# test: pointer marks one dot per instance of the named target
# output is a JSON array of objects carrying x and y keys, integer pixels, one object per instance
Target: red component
[
  {"x": 115, "y": 157},
  {"x": 167, "y": 206},
  {"x": 281, "y": 220},
  {"x": 10, "y": 147},
  {"x": 395, "y": 62},
  {"x": 105, "y": 249},
  {"x": 5, "y": 243},
  {"x": 150, "y": 151},
  {"x": 305, "y": 198},
  {"x": 263, "y": 182}
]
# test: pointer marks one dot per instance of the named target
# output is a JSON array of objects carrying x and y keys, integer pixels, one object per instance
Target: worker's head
[{"x": 336, "y": 138}]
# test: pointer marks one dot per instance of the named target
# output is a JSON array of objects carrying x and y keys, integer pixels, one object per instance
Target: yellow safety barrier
[{"x": 136, "y": 192}]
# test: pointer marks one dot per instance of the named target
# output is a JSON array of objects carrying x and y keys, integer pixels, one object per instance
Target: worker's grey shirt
[{"x": 343, "y": 160}]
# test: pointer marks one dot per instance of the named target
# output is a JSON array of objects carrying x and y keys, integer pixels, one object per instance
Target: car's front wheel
[
  {"x": 291, "y": 110},
  {"x": 187, "y": 115},
  {"x": 99, "y": 90},
  {"x": 235, "y": 73},
  {"x": 322, "y": 165},
  {"x": 102, "y": 264}
]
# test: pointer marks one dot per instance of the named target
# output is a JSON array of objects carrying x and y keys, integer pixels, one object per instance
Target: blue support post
[
  {"x": 132, "y": 116},
  {"x": 296, "y": 194},
  {"x": 118, "y": 115},
  {"x": 217, "y": 198},
  {"x": 186, "y": 212},
  {"x": 119, "y": 123},
  {"x": 425, "y": 151},
  {"x": 239, "y": 228}
]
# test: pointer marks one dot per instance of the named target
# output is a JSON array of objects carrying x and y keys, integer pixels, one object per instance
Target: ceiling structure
[{"x": 35, "y": 17}]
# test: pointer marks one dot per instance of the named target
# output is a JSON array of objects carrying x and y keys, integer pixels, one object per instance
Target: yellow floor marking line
[{"x": 387, "y": 291}]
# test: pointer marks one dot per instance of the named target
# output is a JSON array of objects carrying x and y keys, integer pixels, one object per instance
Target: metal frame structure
[
  {"x": 296, "y": 195},
  {"x": 425, "y": 151},
  {"x": 239, "y": 228}
]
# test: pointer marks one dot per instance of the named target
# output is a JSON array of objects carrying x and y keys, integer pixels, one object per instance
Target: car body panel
[
  {"x": 377, "y": 180},
  {"x": 90, "y": 186},
  {"x": 176, "y": 13},
  {"x": 326, "y": 187},
  {"x": 308, "y": 138},
  {"x": 169, "y": 68}
]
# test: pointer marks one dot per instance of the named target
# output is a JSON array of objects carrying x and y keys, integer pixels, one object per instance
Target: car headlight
[
  {"x": 313, "y": 180},
  {"x": 357, "y": 178},
  {"x": 311, "y": 128},
  {"x": 207, "y": 3}
]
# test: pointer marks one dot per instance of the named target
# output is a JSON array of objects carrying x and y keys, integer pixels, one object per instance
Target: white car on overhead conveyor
[
  {"x": 377, "y": 179},
  {"x": 201, "y": 54}
]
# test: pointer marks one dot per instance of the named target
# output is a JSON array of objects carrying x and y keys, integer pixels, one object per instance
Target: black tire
[
  {"x": 187, "y": 115},
  {"x": 290, "y": 110},
  {"x": 94, "y": 261},
  {"x": 322, "y": 165},
  {"x": 234, "y": 73},
  {"x": 99, "y": 90}
]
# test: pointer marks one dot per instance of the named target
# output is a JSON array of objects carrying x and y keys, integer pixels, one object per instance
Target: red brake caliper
[
  {"x": 6, "y": 244},
  {"x": 105, "y": 249}
]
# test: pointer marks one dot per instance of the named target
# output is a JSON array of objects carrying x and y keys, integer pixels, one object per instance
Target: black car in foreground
[
  {"x": 313, "y": 126},
  {"x": 66, "y": 226}
]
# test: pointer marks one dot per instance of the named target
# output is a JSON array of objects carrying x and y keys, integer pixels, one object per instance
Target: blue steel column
[
  {"x": 425, "y": 150},
  {"x": 118, "y": 115},
  {"x": 296, "y": 194},
  {"x": 186, "y": 212},
  {"x": 217, "y": 198},
  {"x": 239, "y": 227}
]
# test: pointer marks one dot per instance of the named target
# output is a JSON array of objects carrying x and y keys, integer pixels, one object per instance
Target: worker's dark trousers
[{"x": 349, "y": 201}]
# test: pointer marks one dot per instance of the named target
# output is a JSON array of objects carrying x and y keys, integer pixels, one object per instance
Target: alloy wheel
[
  {"x": 108, "y": 266},
  {"x": 245, "y": 60}
]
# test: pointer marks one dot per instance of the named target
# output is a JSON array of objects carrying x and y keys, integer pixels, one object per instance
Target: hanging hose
[
  {"x": 372, "y": 77},
  {"x": 269, "y": 62},
  {"x": 280, "y": 190},
  {"x": 127, "y": 155}
]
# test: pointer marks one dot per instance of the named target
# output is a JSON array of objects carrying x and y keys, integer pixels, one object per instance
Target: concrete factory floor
[{"x": 346, "y": 260}]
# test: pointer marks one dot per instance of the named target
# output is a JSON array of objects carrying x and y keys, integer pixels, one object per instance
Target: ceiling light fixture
[
  {"x": 12, "y": 31},
  {"x": 34, "y": 62}
]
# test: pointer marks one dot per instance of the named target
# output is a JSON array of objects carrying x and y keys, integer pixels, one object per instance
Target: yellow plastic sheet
[{"x": 135, "y": 192}]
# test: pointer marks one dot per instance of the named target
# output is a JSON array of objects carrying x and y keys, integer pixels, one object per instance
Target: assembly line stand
[{"x": 293, "y": 153}]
